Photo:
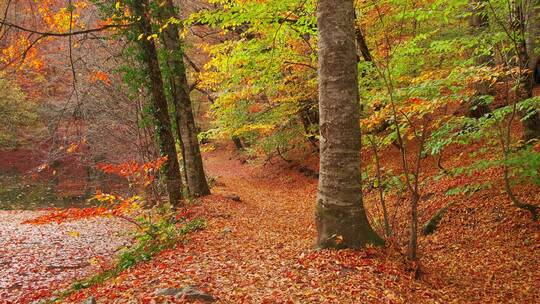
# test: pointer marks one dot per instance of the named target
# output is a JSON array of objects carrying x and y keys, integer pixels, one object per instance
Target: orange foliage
[
  {"x": 141, "y": 173},
  {"x": 100, "y": 76},
  {"x": 70, "y": 214},
  {"x": 114, "y": 205},
  {"x": 119, "y": 206},
  {"x": 260, "y": 250}
]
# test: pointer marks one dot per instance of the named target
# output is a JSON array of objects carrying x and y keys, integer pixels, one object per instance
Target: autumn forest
[{"x": 269, "y": 151}]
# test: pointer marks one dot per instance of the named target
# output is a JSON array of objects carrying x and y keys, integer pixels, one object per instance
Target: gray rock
[
  {"x": 169, "y": 291},
  {"x": 193, "y": 293},
  {"x": 234, "y": 197},
  {"x": 90, "y": 300}
]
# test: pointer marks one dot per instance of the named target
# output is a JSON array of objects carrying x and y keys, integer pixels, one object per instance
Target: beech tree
[
  {"x": 531, "y": 122},
  {"x": 340, "y": 215},
  {"x": 187, "y": 131},
  {"x": 159, "y": 102}
]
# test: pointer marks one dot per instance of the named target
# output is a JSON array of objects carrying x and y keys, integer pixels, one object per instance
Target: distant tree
[{"x": 340, "y": 215}]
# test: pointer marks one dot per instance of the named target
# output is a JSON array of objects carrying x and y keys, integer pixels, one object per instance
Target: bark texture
[
  {"x": 340, "y": 215},
  {"x": 524, "y": 22},
  {"x": 193, "y": 164},
  {"x": 479, "y": 24},
  {"x": 362, "y": 45},
  {"x": 531, "y": 125},
  {"x": 533, "y": 41},
  {"x": 159, "y": 106}
]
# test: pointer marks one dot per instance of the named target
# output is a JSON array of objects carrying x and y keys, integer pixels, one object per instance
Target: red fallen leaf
[
  {"x": 246, "y": 267},
  {"x": 186, "y": 213},
  {"x": 70, "y": 214}
]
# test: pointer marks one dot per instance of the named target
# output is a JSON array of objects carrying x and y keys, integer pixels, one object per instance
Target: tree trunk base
[{"x": 344, "y": 227}]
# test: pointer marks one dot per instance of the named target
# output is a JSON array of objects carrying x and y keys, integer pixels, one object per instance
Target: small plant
[
  {"x": 156, "y": 233},
  {"x": 157, "y": 228}
]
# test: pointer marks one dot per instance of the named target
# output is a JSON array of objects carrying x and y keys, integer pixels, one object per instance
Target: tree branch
[{"x": 3, "y": 22}]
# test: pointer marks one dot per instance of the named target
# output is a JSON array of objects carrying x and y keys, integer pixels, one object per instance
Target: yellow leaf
[
  {"x": 93, "y": 261},
  {"x": 74, "y": 233}
]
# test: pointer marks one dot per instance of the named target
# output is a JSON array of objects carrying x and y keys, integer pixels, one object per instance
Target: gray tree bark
[
  {"x": 159, "y": 107},
  {"x": 340, "y": 215},
  {"x": 193, "y": 164},
  {"x": 531, "y": 125},
  {"x": 533, "y": 39},
  {"x": 522, "y": 22}
]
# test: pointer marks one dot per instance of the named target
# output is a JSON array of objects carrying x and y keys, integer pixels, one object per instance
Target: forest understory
[
  {"x": 269, "y": 151},
  {"x": 261, "y": 249}
]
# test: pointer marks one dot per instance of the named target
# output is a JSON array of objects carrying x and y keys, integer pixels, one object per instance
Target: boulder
[{"x": 193, "y": 293}]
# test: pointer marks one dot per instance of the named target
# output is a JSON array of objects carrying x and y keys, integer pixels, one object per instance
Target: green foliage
[
  {"x": 467, "y": 189},
  {"x": 17, "y": 114},
  {"x": 156, "y": 232},
  {"x": 266, "y": 76},
  {"x": 522, "y": 160}
]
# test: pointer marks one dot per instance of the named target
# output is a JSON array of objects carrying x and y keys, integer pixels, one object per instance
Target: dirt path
[
  {"x": 260, "y": 250},
  {"x": 35, "y": 260}
]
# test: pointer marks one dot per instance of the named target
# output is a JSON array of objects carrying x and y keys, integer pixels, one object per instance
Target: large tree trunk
[
  {"x": 340, "y": 215},
  {"x": 524, "y": 21},
  {"x": 531, "y": 125},
  {"x": 159, "y": 106},
  {"x": 533, "y": 39},
  {"x": 196, "y": 179},
  {"x": 479, "y": 24}
]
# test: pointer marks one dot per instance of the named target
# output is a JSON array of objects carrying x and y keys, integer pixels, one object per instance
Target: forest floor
[
  {"x": 260, "y": 250},
  {"x": 36, "y": 260}
]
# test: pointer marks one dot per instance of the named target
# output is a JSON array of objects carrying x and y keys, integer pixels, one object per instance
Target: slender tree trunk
[
  {"x": 362, "y": 45},
  {"x": 479, "y": 24},
  {"x": 159, "y": 107},
  {"x": 196, "y": 179},
  {"x": 180, "y": 141},
  {"x": 237, "y": 143},
  {"x": 340, "y": 215},
  {"x": 382, "y": 199},
  {"x": 309, "y": 116}
]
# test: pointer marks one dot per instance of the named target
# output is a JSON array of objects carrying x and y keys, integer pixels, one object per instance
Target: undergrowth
[{"x": 154, "y": 234}]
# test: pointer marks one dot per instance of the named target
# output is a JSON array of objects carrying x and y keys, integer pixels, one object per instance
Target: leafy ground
[
  {"x": 260, "y": 250},
  {"x": 35, "y": 260}
]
